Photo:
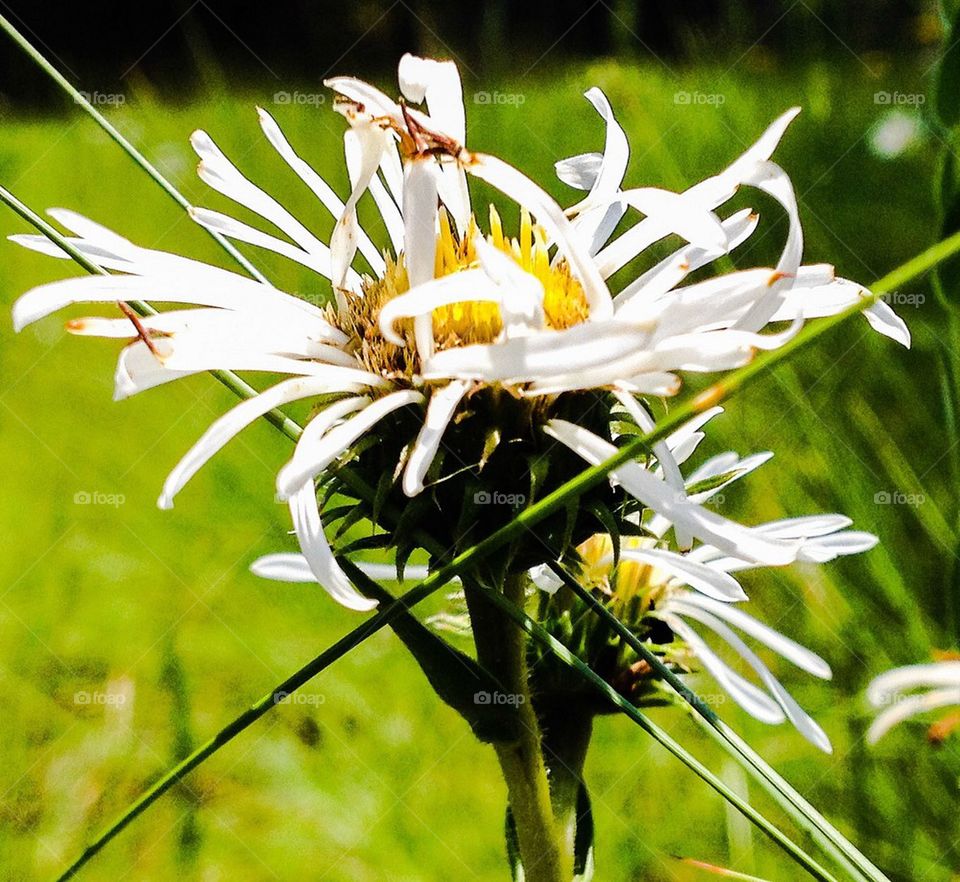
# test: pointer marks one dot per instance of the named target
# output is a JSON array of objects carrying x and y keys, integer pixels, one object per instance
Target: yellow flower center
[
  {"x": 467, "y": 322},
  {"x": 564, "y": 303},
  {"x": 631, "y": 579}
]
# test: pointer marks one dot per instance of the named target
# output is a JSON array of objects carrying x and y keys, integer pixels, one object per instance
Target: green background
[{"x": 370, "y": 777}]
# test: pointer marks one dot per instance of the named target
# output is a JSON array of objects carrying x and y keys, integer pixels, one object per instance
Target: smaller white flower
[{"x": 897, "y": 693}]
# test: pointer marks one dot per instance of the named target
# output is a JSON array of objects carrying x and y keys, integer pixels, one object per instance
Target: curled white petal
[
  {"x": 237, "y": 419},
  {"x": 658, "y": 496},
  {"x": 440, "y": 410},
  {"x": 314, "y": 454},
  {"x": 309, "y": 530}
]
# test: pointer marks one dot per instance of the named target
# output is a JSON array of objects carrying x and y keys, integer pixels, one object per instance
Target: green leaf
[
  {"x": 609, "y": 524},
  {"x": 459, "y": 681},
  {"x": 583, "y": 838},
  {"x": 712, "y": 483}
]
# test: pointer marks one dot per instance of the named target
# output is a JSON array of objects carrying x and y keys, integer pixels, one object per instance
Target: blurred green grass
[{"x": 369, "y": 777}]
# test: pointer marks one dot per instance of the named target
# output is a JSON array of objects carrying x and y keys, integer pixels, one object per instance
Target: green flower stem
[
  {"x": 566, "y": 739},
  {"x": 37, "y": 57},
  {"x": 501, "y": 649},
  {"x": 559, "y": 651},
  {"x": 801, "y": 811}
]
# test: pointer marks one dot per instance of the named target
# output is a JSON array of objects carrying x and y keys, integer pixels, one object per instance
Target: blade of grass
[{"x": 38, "y": 58}]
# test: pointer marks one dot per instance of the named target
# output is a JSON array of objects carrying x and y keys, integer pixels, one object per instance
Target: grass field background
[{"x": 154, "y": 616}]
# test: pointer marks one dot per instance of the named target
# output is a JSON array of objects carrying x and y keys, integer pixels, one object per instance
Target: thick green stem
[
  {"x": 566, "y": 737},
  {"x": 501, "y": 649}
]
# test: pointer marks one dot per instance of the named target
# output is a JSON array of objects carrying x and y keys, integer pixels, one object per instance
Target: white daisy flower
[
  {"x": 448, "y": 312},
  {"x": 689, "y": 591},
  {"x": 897, "y": 693},
  {"x": 695, "y": 590}
]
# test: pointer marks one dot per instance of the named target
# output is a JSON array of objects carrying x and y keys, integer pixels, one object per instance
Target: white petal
[
  {"x": 440, "y": 410},
  {"x": 284, "y": 567},
  {"x": 671, "y": 471},
  {"x": 438, "y": 83},
  {"x": 237, "y": 419},
  {"x": 318, "y": 260},
  {"x": 217, "y": 171},
  {"x": 528, "y": 194},
  {"x": 710, "y": 582},
  {"x": 804, "y": 723},
  {"x": 237, "y": 293},
  {"x": 316, "y": 550},
  {"x": 580, "y": 172},
  {"x": 676, "y": 214},
  {"x": 541, "y": 356},
  {"x": 545, "y": 579},
  {"x": 596, "y": 225},
  {"x": 885, "y": 321},
  {"x": 753, "y": 700},
  {"x": 366, "y": 143},
  {"x": 331, "y": 201},
  {"x": 794, "y": 652},
  {"x": 672, "y": 270},
  {"x": 374, "y": 102},
  {"x": 420, "y": 238},
  {"x": 258, "y": 325},
  {"x": 897, "y": 680},
  {"x": 711, "y": 193},
  {"x": 138, "y": 370},
  {"x": 465, "y": 286},
  {"x": 313, "y": 457},
  {"x": 521, "y": 293},
  {"x": 656, "y": 495},
  {"x": 910, "y": 707}
]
